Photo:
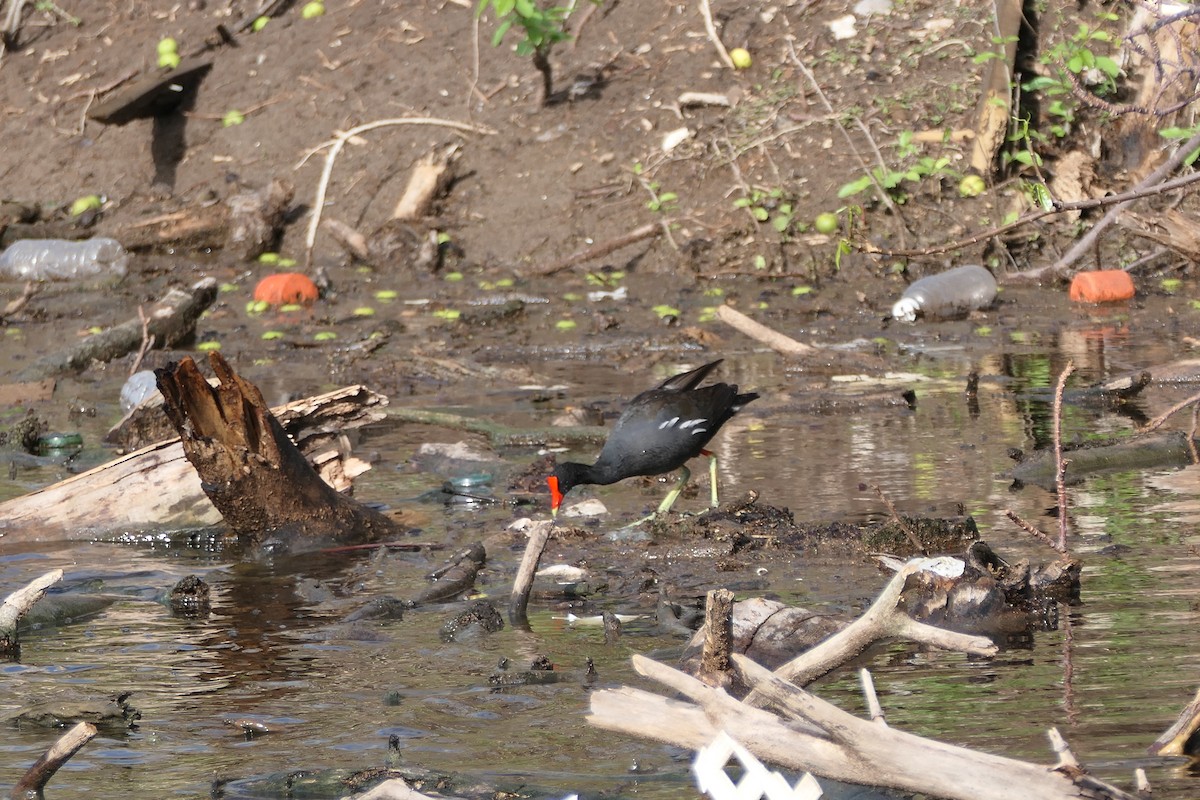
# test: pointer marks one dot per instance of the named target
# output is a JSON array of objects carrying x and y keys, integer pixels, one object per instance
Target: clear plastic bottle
[
  {"x": 948, "y": 294},
  {"x": 63, "y": 260}
]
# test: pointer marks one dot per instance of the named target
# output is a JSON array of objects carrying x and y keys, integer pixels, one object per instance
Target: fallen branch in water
[
  {"x": 761, "y": 333},
  {"x": 17, "y": 604},
  {"x": 882, "y": 620},
  {"x": 518, "y": 601},
  {"x": 36, "y": 777}
]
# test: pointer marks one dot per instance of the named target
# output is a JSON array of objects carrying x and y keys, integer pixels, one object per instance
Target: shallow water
[{"x": 1111, "y": 676}]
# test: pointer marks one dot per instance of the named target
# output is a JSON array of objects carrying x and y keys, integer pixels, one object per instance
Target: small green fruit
[
  {"x": 232, "y": 117},
  {"x": 972, "y": 186},
  {"x": 90, "y": 202},
  {"x": 167, "y": 45},
  {"x": 826, "y": 223},
  {"x": 168, "y": 60},
  {"x": 740, "y": 57},
  {"x": 312, "y": 10},
  {"x": 259, "y": 24}
]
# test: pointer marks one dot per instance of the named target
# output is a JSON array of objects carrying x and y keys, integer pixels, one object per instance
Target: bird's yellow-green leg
[
  {"x": 712, "y": 477},
  {"x": 673, "y": 495}
]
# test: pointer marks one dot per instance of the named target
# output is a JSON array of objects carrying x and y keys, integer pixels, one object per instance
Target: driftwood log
[
  {"x": 244, "y": 226},
  {"x": 803, "y": 732},
  {"x": 172, "y": 319},
  {"x": 260, "y": 482},
  {"x": 157, "y": 488}
]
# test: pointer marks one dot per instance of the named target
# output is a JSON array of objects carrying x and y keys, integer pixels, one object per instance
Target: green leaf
[
  {"x": 1040, "y": 83},
  {"x": 501, "y": 29},
  {"x": 504, "y": 7},
  {"x": 1176, "y": 133},
  {"x": 1108, "y": 66},
  {"x": 744, "y": 202},
  {"x": 760, "y": 214},
  {"x": 854, "y": 187},
  {"x": 781, "y": 222}
]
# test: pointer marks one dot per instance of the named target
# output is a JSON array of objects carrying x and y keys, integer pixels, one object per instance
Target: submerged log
[
  {"x": 262, "y": 485},
  {"x": 1155, "y": 451},
  {"x": 156, "y": 488}
]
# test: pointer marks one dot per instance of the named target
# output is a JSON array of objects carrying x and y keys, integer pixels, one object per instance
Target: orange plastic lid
[
  {"x": 1101, "y": 286},
  {"x": 286, "y": 287}
]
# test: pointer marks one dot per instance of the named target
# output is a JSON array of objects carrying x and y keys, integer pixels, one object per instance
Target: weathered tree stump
[{"x": 260, "y": 482}]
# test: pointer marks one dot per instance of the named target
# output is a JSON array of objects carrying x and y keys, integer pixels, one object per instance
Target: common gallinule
[{"x": 658, "y": 432}]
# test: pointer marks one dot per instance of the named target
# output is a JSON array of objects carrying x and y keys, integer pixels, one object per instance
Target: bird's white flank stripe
[
  {"x": 691, "y": 423},
  {"x": 668, "y": 423}
]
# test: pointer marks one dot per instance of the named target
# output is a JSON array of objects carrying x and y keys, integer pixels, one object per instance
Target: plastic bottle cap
[
  {"x": 906, "y": 309},
  {"x": 1102, "y": 286}
]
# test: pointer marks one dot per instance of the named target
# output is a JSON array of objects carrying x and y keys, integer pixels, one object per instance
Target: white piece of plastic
[{"x": 757, "y": 782}]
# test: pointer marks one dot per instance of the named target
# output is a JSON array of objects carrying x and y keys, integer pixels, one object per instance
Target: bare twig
[
  {"x": 1031, "y": 529},
  {"x": 1034, "y": 216},
  {"x": 335, "y": 146},
  {"x": 913, "y": 539},
  {"x": 147, "y": 341},
  {"x": 883, "y": 619},
  {"x": 1191, "y": 436},
  {"x": 18, "y": 303},
  {"x": 711, "y": 29},
  {"x": 1158, "y": 421},
  {"x": 1060, "y": 465},
  {"x": 874, "y": 710},
  {"x": 1086, "y": 242},
  {"x": 883, "y": 195},
  {"x": 600, "y": 250}
]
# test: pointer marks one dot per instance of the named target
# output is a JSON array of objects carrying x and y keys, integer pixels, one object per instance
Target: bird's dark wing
[{"x": 686, "y": 381}]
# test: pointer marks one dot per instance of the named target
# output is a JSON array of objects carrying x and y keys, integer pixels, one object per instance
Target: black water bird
[{"x": 659, "y": 431}]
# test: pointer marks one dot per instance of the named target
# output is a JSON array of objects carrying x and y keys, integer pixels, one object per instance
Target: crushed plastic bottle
[
  {"x": 140, "y": 386},
  {"x": 63, "y": 260},
  {"x": 947, "y": 294}
]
